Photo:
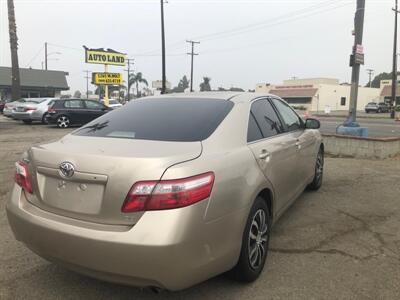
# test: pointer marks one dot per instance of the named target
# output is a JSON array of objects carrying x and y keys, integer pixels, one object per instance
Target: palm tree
[
  {"x": 12, "y": 29},
  {"x": 137, "y": 79}
]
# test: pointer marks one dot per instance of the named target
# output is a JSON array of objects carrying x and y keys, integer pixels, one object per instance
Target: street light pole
[
  {"x": 163, "y": 88},
  {"x": 370, "y": 72},
  {"x": 394, "y": 70}
]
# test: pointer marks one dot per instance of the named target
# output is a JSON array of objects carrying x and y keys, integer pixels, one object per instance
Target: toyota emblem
[{"x": 67, "y": 169}]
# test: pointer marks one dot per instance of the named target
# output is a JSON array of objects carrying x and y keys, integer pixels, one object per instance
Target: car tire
[
  {"x": 318, "y": 173},
  {"x": 255, "y": 243},
  {"x": 27, "y": 122},
  {"x": 44, "y": 119},
  {"x": 367, "y": 111},
  {"x": 63, "y": 121}
]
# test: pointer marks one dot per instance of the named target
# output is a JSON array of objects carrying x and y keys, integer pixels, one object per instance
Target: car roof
[{"x": 232, "y": 96}]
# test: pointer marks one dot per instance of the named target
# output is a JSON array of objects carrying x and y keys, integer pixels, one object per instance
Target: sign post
[{"x": 105, "y": 57}]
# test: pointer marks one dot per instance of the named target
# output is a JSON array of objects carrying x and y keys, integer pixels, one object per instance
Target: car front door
[
  {"x": 274, "y": 149},
  {"x": 305, "y": 142},
  {"x": 94, "y": 109}
]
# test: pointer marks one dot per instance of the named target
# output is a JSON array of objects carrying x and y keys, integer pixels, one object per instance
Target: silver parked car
[
  {"x": 9, "y": 106},
  {"x": 167, "y": 191},
  {"x": 32, "y": 110}
]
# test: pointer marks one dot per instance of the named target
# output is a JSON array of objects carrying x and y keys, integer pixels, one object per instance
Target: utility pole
[
  {"x": 394, "y": 70},
  {"x": 164, "y": 79},
  {"x": 192, "y": 54},
  {"x": 45, "y": 56},
  {"x": 127, "y": 80},
  {"x": 370, "y": 73},
  {"x": 87, "y": 83},
  {"x": 15, "y": 75},
  {"x": 356, "y": 59}
]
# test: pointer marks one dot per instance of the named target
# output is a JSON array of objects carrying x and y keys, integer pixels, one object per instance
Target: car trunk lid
[{"x": 104, "y": 171}]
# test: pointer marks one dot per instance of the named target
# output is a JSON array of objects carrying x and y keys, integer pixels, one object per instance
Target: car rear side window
[
  {"x": 73, "y": 104},
  {"x": 290, "y": 119},
  {"x": 94, "y": 105},
  {"x": 253, "y": 131},
  {"x": 161, "y": 119},
  {"x": 266, "y": 118}
]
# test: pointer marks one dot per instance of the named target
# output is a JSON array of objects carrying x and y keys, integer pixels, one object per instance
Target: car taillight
[
  {"x": 51, "y": 110},
  {"x": 168, "y": 194},
  {"x": 22, "y": 177}
]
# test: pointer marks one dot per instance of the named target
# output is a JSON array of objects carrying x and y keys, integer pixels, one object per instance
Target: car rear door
[
  {"x": 275, "y": 151},
  {"x": 75, "y": 109},
  {"x": 305, "y": 142}
]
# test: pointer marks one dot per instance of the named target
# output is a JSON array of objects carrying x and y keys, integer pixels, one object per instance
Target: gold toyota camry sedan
[{"x": 167, "y": 191}]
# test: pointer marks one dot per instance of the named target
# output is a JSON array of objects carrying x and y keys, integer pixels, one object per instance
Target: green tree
[
  {"x": 77, "y": 94},
  {"x": 205, "y": 85},
  {"x": 182, "y": 85},
  {"x": 376, "y": 82},
  {"x": 12, "y": 30},
  {"x": 137, "y": 79}
]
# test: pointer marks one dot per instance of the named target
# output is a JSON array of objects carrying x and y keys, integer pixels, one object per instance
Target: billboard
[
  {"x": 104, "y": 57},
  {"x": 107, "y": 78}
]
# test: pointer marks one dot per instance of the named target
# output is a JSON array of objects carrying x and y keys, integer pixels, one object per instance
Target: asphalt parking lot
[{"x": 342, "y": 242}]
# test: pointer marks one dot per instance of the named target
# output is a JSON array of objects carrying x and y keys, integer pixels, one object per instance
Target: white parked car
[{"x": 112, "y": 103}]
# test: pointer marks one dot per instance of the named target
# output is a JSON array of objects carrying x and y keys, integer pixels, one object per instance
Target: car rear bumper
[
  {"x": 7, "y": 112},
  {"x": 171, "y": 249},
  {"x": 24, "y": 116}
]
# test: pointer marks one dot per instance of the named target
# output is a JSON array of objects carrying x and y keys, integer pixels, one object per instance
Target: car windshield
[
  {"x": 371, "y": 103},
  {"x": 168, "y": 119}
]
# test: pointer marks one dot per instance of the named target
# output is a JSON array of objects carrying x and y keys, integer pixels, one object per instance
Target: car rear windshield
[{"x": 166, "y": 119}]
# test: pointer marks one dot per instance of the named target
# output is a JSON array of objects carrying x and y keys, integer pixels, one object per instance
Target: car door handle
[{"x": 264, "y": 154}]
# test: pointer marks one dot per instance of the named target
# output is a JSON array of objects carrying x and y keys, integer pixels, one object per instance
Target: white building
[{"x": 318, "y": 94}]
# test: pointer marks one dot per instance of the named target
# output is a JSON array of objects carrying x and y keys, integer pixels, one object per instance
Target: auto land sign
[
  {"x": 103, "y": 57},
  {"x": 107, "y": 78}
]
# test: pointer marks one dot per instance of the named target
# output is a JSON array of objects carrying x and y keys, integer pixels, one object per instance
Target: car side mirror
[{"x": 312, "y": 124}]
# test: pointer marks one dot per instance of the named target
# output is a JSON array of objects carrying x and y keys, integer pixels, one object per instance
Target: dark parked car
[
  {"x": 2, "y": 103},
  {"x": 67, "y": 112},
  {"x": 377, "y": 107}
]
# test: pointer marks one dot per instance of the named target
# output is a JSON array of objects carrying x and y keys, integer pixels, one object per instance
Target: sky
[{"x": 242, "y": 42}]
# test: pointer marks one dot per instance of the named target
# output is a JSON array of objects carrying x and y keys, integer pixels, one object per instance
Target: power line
[
  {"x": 192, "y": 54},
  {"x": 262, "y": 23},
  {"x": 34, "y": 57},
  {"x": 285, "y": 18}
]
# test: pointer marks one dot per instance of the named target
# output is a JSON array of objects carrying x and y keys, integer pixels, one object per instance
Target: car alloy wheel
[
  {"x": 319, "y": 167},
  {"x": 63, "y": 122},
  {"x": 258, "y": 238}
]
